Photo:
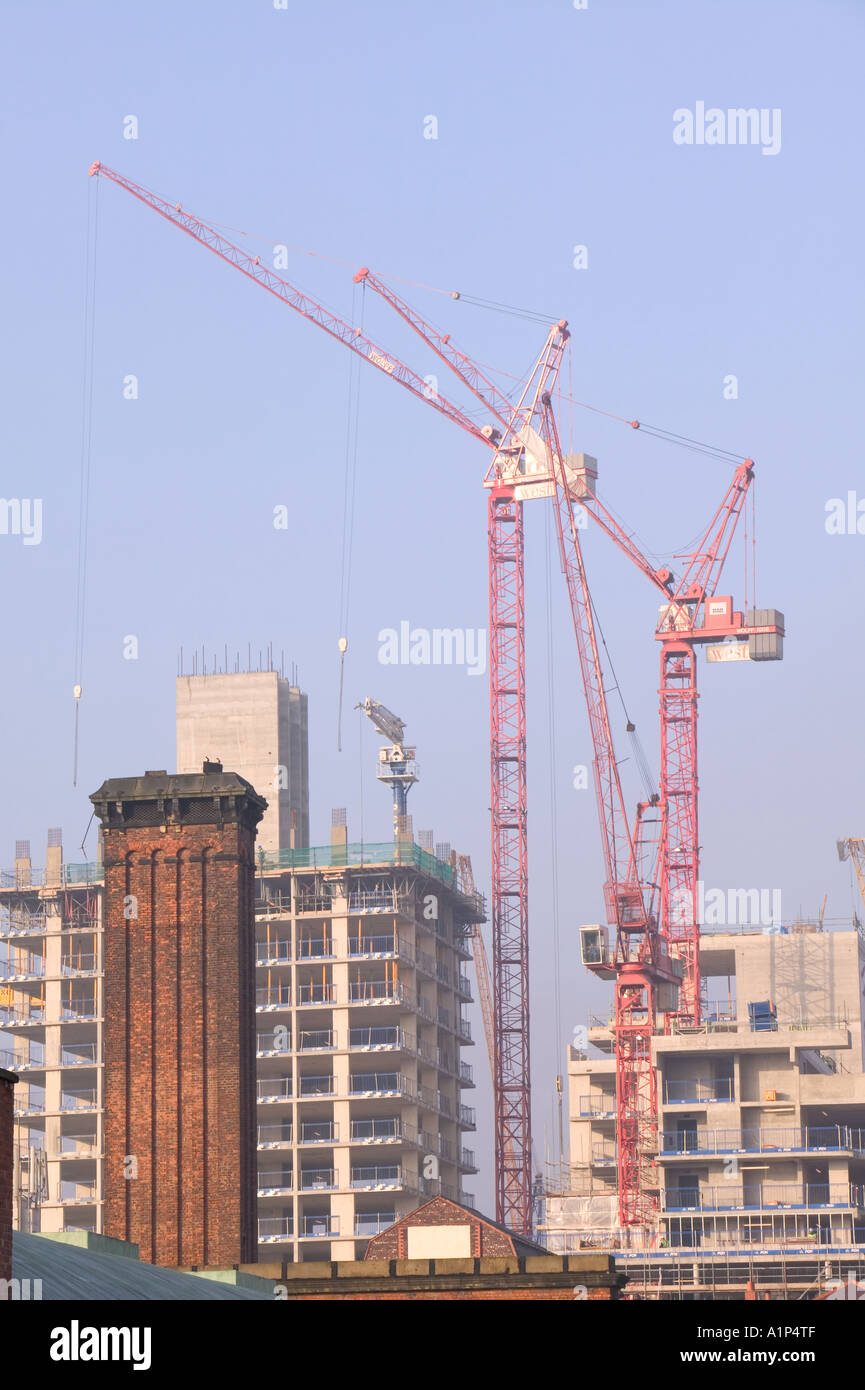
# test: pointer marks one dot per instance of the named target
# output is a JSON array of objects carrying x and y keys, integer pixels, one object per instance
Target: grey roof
[
  {"x": 68, "y": 1272},
  {"x": 156, "y": 784}
]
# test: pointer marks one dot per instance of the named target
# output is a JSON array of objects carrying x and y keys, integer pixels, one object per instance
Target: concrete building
[
  {"x": 254, "y": 722},
  {"x": 759, "y": 1165},
  {"x": 179, "y": 1011},
  {"x": 51, "y": 1036},
  {"x": 361, "y": 987}
]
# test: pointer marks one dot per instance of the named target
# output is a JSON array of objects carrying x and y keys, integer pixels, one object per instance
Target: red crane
[
  {"x": 654, "y": 917},
  {"x": 507, "y": 660},
  {"x": 648, "y": 946}
]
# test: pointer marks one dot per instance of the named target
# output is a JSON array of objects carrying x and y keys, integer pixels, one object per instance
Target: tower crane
[
  {"x": 396, "y": 764},
  {"x": 854, "y": 849},
  {"x": 656, "y": 946}
]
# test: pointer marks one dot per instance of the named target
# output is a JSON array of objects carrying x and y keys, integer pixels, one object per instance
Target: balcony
[
  {"x": 78, "y": 1100},
  {"x": 275, "y": 1182},
  {"x": 698, "y": 1092},
  {"x": 371, "y": 947},
  {"x": 376, "y": 992},
  {"x": 275, "y": 1044},
  {"x": 313, "y": 902},
  {"x": 466, "y": 1116},
  {"x": 373, "y": 1223},
  {"x": 383, "y": 1131},
  {"x": 316, "y": 994},
  {"x": 467, "y": 1160},
  {"x": 379, "y": 1084},
  {"x": 379, "y": 1040},
  {"x": 18, "y": 1015},
  {"x": 21, "y": 922},
  {"x": 25, "y": 968},
  {"x": 273, "y": 997},
  {"x": 466, "y": 1074},
  {"x": 79, "y": 965},
  {"x": 83, "y": 1009},
  {"x": 463, "y": 987},
  {"x": 274, "y": 1136},
  {"x": 445, "y": 1148},
  {"x": 464, "y": 1030},
  {"x": 766, "y": 1197},
  {"x": 316, "y": 1040},
  {"x": 315, "y": 948},
  {"x": 273, "y": 1092},
  {"x": 272, "y": 905},
  {"x": 318, "y": 1180},
  {"x": 824, "y": 1139},
  {"x": 34, "y": 1060},
  {"x": 272, "y": 952},
  {"x": 377, "y": 1179},
  {"x": 312, "y": 1086},
  {"x": 79, "y": 1055},
  {"x": 597, "y": 1107},
  {"x": 381, "y": 901},
  {"x": 77, "y": 1145},
  {"x": 274, "y": 1230},
  {"x": 29, "y": 1104},
  {"x": 319, "y": 1228},
  {"x": 319, "y": 1132},
  {"x": 71, "y": 1192}
]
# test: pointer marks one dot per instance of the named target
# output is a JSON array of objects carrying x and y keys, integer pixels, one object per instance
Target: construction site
[{"x": 715, "y": 1115}]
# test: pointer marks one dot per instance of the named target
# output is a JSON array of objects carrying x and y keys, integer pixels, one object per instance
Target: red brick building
[
  {"x": 179, "y": 1014},
  {"x": 442, "y": 1229},
  {"x": 7, "y": 1149},
  {"x": 447, "y": 1252}
]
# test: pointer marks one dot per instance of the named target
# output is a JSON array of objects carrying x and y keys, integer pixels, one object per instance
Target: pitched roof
[
  {"x": 69, "y": 1272},
  {"x": 522, "y": 1245}
]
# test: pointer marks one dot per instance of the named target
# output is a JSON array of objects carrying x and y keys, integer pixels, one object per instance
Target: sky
[{"x": 450, "y": 148}]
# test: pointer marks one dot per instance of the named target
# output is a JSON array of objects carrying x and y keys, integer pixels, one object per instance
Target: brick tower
[{"x": 179, "y": 1014}]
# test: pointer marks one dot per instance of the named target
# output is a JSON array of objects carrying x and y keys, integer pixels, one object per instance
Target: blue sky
[{"x": 555, "y": 126}]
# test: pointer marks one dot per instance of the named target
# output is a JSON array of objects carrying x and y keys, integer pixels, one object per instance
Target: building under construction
[
  {"x": 360, "y": 991},
  {"x": 759, "y": 1161}
]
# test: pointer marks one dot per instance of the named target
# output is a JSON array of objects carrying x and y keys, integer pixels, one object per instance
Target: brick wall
[
  {"x": 586, "y": 1278},
  {"x": 7, "y": 1083},
  {"x": 486, "y": 1241},
  {"x": 179, "y": 1021}
]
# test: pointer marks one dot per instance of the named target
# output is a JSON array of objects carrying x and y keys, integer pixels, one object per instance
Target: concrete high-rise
[
  {"x": 179, "y": 1014},
  {"x": 758, "y": 1165},
  {"x": 256, "y": 723}
]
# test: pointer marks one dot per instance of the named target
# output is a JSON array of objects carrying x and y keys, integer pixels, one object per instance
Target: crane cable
[
  {"x": 496, "y": 306},
  {"x": 348, "y": 507},
  {"x": 86, "y": 451}
]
